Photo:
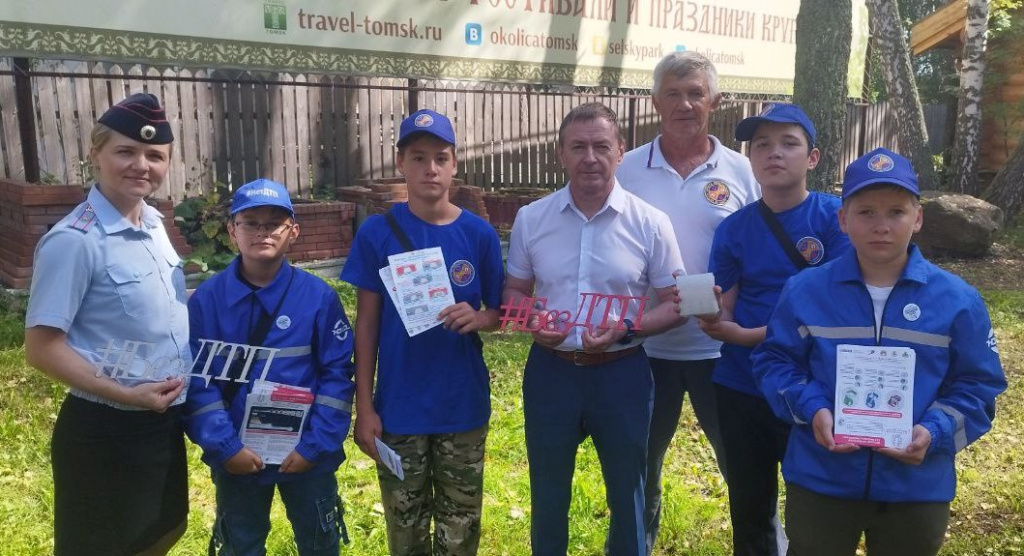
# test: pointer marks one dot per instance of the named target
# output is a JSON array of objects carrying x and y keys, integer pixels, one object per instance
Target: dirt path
[{"x": 1003, "y": 269}]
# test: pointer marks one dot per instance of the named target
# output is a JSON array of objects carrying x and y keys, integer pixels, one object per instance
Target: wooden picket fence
[{"x": 316, "y": 132}]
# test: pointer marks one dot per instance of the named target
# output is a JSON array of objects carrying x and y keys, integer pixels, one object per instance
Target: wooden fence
[{"x": 320, "y": 131}]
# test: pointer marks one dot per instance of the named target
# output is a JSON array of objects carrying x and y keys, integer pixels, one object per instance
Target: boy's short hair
[
  {"x": 777, "y": 113},
  {"x": 880, "y": 166},
  {"x": 425, "y": 122},
  {"x": 914, "y": 199}
]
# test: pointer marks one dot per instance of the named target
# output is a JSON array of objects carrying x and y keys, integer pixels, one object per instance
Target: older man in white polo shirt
[
  {"x": 579, "y": 248},
  {"x": 697, "y": 181}
]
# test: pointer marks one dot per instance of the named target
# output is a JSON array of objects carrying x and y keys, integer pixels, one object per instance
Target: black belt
[{"x": 582, "y": 358}]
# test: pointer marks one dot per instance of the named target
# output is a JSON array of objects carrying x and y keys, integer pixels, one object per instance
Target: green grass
[{"x": 988, "y": 515}]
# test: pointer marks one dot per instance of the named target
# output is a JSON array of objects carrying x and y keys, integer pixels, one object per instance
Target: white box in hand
[{"x": 697, "y": 294}]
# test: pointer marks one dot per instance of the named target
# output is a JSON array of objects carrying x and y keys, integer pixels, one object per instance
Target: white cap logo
[
  {"x": 881, "y": 163},
  {"x": 423, "y": 120},
  {"x": 147, "y": 132}
]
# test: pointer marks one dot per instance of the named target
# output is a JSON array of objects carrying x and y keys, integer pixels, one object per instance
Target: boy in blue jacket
[
  {"x": 282, "y": 325},
  {"x": 885, "y": 294}
]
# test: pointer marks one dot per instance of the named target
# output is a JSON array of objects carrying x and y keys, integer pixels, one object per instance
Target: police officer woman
[{"x": 107, "y": 317}]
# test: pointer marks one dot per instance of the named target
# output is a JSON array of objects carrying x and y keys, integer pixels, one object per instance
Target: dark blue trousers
[{"x": 563, "y": 404}]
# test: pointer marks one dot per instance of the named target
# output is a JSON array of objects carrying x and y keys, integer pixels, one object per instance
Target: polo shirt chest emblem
[
  {"x": 812, "y": 249},
  {"x": 462, "y": 272},
  {"x": 283, "y": 322},
  {"x": 717, "y": 192},
  {"x": 911, "y": 312}
]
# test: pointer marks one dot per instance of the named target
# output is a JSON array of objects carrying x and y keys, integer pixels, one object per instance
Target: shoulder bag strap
[
  {"x": 398, "y": 231},
  {"x": 780, "y": 235}
]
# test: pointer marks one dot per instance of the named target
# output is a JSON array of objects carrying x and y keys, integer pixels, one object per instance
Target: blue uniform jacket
[
  {"x": 958, "y": 374},
  {"x": 315, "y": 342}
]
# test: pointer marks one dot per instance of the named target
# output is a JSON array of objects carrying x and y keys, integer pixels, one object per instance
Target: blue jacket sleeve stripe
[
  {"x": 959, "y": 433},
  {"x": 838, "y": 332},
  {"x": 333, "y": 402},
  {"x": 297, "y": 351},
  {"x": 916, "y": 337},
  {"x": 792, "y": 410},
  {"x": 214, "y": 406}
]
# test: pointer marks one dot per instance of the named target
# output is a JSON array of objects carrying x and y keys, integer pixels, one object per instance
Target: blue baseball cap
[
  {"x": 880, "y": 166},
  {"x": 426, "y": 121},
  {"x": 778, "y": 113},
  {"x": 261, "y": 193}
]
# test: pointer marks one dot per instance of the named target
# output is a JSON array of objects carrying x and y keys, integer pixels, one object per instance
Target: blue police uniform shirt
[
  {"x": 746, "y": 253},
  {"x": 435, "y": 382},
  {"x": 117, "y": 291}
]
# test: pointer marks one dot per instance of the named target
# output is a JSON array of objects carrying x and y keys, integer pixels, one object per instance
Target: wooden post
[
  {"x": 631, "y": 131},
  {"x": 414, "y": 96},
  {"x": 26, "y": 118}
]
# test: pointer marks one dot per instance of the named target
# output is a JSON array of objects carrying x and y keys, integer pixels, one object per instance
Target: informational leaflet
[
  {"x": 390, "y": 459},
  {"x": 274, "y": 417},
  {"x": 421, "y": 287},
  {"x": 389, "y": 284},
  {"x": 697, "y": 294},
  {"x": 874, "y": 395}
]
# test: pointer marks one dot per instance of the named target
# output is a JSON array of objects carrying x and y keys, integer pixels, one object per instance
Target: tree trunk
[
  {"x": 888, "y": 38},
  {"x": 1007, "y": 188},
  {"x": 823, "y": 33},
  {"x": 964, "y": 164}
]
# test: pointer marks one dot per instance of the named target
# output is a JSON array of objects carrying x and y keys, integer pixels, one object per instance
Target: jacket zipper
[{"x": 878, "y": 341}]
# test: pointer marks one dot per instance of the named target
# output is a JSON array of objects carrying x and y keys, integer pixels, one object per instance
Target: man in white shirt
[
  {"x": 587, "y": 374},
  {"x": 697, "y": 181}
]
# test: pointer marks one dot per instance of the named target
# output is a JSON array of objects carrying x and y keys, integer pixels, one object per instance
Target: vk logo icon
[{"x": 474, "y": 34}]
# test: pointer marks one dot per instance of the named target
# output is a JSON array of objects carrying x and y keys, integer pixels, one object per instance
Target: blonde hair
[{"x": 101, "y": 134}]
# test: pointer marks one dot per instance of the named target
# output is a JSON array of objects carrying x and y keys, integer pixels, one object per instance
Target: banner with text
[{"x": 579, "y": 42}]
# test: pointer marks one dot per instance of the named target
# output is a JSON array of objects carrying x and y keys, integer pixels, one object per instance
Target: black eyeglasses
[{"x": 249, "y": 227}]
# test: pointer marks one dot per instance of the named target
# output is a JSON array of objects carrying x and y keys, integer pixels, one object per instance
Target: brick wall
[
  {"x": 503, "y": 205},
  {"x": 377, "y": 196},
  {"x": 28, "y": 211},
  {"x": 166, "y": 208},
  {"x": 326, "y": 230}
]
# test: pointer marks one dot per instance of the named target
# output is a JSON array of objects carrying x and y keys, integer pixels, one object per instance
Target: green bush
[{"x": 203, "y": 221}]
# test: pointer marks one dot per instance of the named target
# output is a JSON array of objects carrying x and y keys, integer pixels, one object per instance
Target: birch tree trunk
[
  {"x": 823, "y": 33},
  {"x": 1007, "y": 188},
  {"x": 964, "y": 163},
  {"x": 888, "y": 38}
]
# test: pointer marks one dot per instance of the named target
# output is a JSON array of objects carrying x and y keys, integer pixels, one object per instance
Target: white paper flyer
[
  {"x": 421, "y": 287},
  {"x": 874, "y": 395},
  {"x": 275, "y": 415}
]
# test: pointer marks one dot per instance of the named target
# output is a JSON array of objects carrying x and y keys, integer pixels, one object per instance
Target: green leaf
[{"x": 212, "y": 228}]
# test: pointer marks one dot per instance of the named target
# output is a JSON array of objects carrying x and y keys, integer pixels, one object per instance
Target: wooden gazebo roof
[{"x": 943, "y": 28}]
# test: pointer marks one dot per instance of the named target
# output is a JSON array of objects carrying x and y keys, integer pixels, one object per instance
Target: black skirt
[{"x": 120, "y": 478}]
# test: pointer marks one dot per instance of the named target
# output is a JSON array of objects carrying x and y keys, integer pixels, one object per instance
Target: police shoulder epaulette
[{"x": 83, "y": 218}]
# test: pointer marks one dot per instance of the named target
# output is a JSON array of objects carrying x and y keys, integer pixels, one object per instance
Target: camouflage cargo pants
[{"x": 444, "y": 477}]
